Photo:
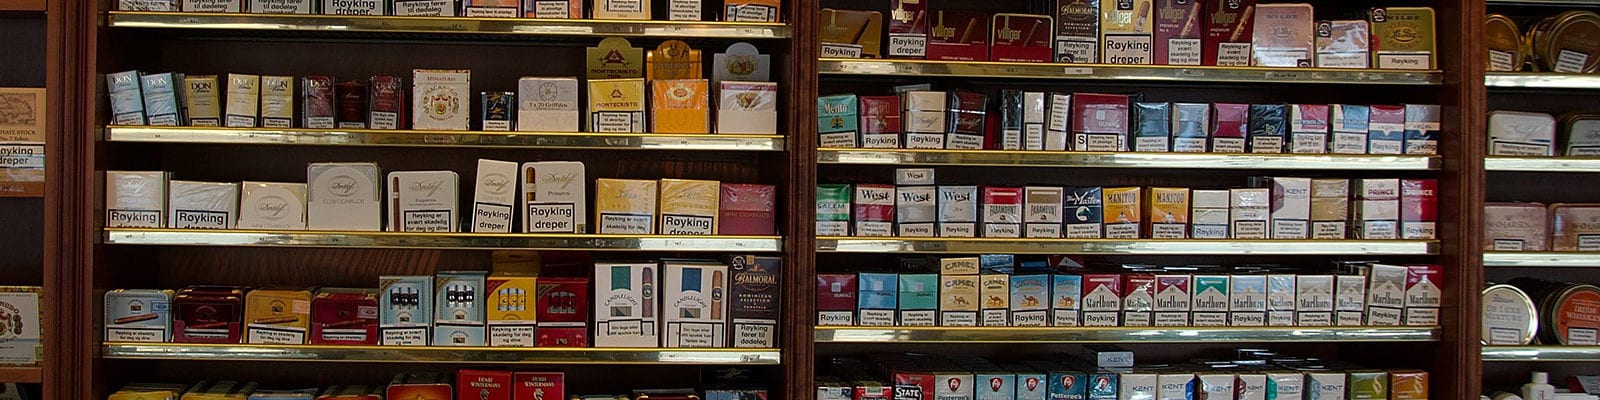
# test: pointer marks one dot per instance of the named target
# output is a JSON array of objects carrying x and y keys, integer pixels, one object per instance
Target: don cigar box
[
  {"x": 908, "y": 29},
  {"x": 511, "y": 310},
  {"x": 419, "y": 386},
  {"x": 836, "y": 299},
  {"x": 1021, "y": 38},
  {"x": 316, "y": 102},
  {"x": 538, "y": 385},
  {"x": 625, "y": 314},
  {"x": 958, "y": 36},
  {"x": 483, "y": 384},
  {"x": 851, "y": 33},
  {"x": 1178, "y": 32},
  {"x": 138, "y": 315},
  {"x": 208, "y": 314},
  {"x": 1516, "y": 133},
  {"x": 562, "y": 311},
  {"x": 625, "y": 206},
  {"x": 203, "y": 105},
  {"x": 1227, "y": 36},
  {"x": 136, "y": 199},
  {"x": 459, "y": 309},
  {"x": 405, "y": 306},
  {"x": 344, "y": 316},
  {"x": 161, "y": 98},
  {"x": 127, "y": 102},
  {"x": 277, "y": 102},
  {"x": 203, "y": 205},
  {"x": 753, "y": 305},
  {"x": 277, "y": 315}
]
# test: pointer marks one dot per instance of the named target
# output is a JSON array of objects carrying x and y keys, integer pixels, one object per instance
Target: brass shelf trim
[
  {"x": 1541, "y": 259},
  {"x": 843, "y": 244},
  {"x": 1541, "y": 80},
  {"x": 927, "y": 68},
  {"x": 1542, "y": 164},
  {"x": 409, "y": 138},
  {"x": 1015, "y": 158},
  {"x": 1541, "y": 353},
  {"x": 862, "y": 334},
  {"x": 447, "y": 25},
  {"x": 472, "y": 241},
  {"x": 429, "y": 354}
]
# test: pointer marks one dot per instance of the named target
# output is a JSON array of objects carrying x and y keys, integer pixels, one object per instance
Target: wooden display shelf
[
  {"x": 865, "y": 334},
  {"x": 469, "y": 241},
  {"x": 433, "y": 355},
  {"x": 409, "y": 138},
  {"x": 1015, "y": 70},
  {"x": 1541, "y": 353},
  {"x": 1012, "y": 158},
  {"x": 22, "y": 5},
  {"x": 1542, "y": 164},
  {"x": 1541, "y": 259},
  {"x": 21, "y": 189},
  {"x": 21, "y": 374},
  {"x": 338, "y": 24},
  {"x": 840, "y": 244},
  {"x": 1541, "y": 80}
]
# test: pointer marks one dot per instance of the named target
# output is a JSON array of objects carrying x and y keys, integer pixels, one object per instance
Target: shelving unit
[
  {"x": 442, "y": 355},
  {"x": 411, "y": 138},
  {"x": 1538, "y": 80},
  {"x": 1051, "y": 71},
  {"x": 1003, "y": 158},
  {"x": 22, "y": 374},
  {"x": 831, "y": 244},
  {"x": 524, "y": 27},
  {"x": 397, "y": 240},
  {"x": 955, "y": 335}
]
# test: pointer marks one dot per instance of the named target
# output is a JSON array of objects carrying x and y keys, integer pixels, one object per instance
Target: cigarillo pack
[
  {"x": 277, "y": 316},
  {"x": 344, "y": 316},
  {"x": 405, "y": 305},
  {"x": 138, "y": 315},
  {"x": 694, "y": 304},
  {"x": 512, "y": 310},
  {"x": 458, "y": 318},
  {"x": 208, "y": 314}
]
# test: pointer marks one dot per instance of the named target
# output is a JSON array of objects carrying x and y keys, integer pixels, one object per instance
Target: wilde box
[
  {"x": 277, "y": 316},
  {"x": 957, "y": 211},
  {"x": 405, "y": 306},
  {"x": 511, "y": 312},
  {"x": 916, "y": 210},
  {"x": 243, "y": 109},
  {"x": 344, "y": 316},
  {"x": 1066, "y": 299},
  {"x": 1284, "y": 35},
  {"x": 833, "y": 210},
  {"x": 924, "y": 119},
  {"x": 1152, "y": 127},
  {"x": 1030, "y": 300},
  {"x": 1308, "y": 128},
  {"x": 1404, "y": 37},
  {"x": 747, "y": 107},
  {"x": 554, "y": 196},
  {"x": 138, "y": 315},
  {"x": 967, "y": 120},
  {"x": 958, "y": 300},
  {"x": 838, "y": 121},
  {"x": 1002, "y": 212},
  {"x": 1377, "y": 209},
  {"x": 317, "y": 109},
  {"x": 836, "y": 299},
  {"x": 1191, "y": 127},
  {"x": 459, "y": 313},
  {"x": 208, "y": 314},
  {"x": 1344, "y": 44},
  {"x": 1281, "y": 297},
  {"x": 1211, "y": 300},
  {"x": 344, "y": 197},
  {"x": 136, "y": 199},
  {"x": 424, "y": 201},
  {"x": 880, "y": 122},
  {"x": 1122, "y": 213},
  {"x": 494, "y": 197},
  {"x": 746, "y": 209},
  {"x": 994, "y": 290},
  {"x": 616, "y": 105},
  {"x": 563, "y": 312},
  {"x": 548, "y": 104},
  {"x": 1173, "y": 300},
  {"x": 277, "y": 101},
  {"x": 1422, "y": 129},
  {"x": 160, "y": 98},
  {"x": 202, "y": 205},
  {"x": 1423, "y": 294},
  {"x": 1249, "y": 212},
  {"x": 753, "y": 301},
  {"x": 919, "y": 299},
  {"x": 689, "y": 207},
  {"x": 1125, "y": 31},
  {"x": 1268, "y": 128},
  {"x": 1229, "y": 127},
  {"x": 1418, "y": 208},
  {"x": 1209, "y": 217},
  {"x": 1166, "y": 212},
  {"x": 874, "y": 210},
  {"x": 877, "y": 300},
  {"x": 1291, "y": 208},
  {"x": 1083, "y": 208},
  {"x": 695, "y": 304},
  {"x": 1314, "y": 300},
  {"x": 483, "y": 384},
  {"x": 1043, "y": 207},
  {"x": 1100, "y": 121},
  {"x": 625, "y": 206},
  {"x": 203, "y": 105},
  {"x": 1350, "y": 129},
  {"x": 1350, "y": 300},
  {"x": 625, "y": 305},
  {"x": 1386, "y": 129},
  {"x": 1330, "y": 208},
  {"x": 1247, "y": 300},
  {"x": 1177, "y": 39},
  {"x": 1386, "y": 294},
  {"x": 1102, "y": 300},
  {"x": 1138, "y": 299}
]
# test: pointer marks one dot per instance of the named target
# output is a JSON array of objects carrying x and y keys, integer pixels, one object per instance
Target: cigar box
[
  {"x": 837, "y": 119},
  {"x": 620, "y": 9},
  {"x": 552, "y": 9},
  {"x": 1228, "y": 28},
  {"x": 1083, "y": 210},
  {"x": 136, "y": 199},
  {"x": 344, "y": 197},
  {"x": 493, "y": 8},
  {"x": 277, "y": 102},
  {"x": 1377, "y": 209},
  {"x": 127, "y": 103},
  {"x": 908, "y": 29},
  {"x": 918, "y": 302},
  {"x": 352, "y": 104},
  {"x": 958, "y": 300},
  {"x": 753, "y": 305},
  {"x": 1125, "y": 31},
  {"x": 1349, "y": 300},
  {"x": 419, "y": 386},
  {"x": 1100, "y": 122},
  {"x": 1178, "y": 32},
  {"x": 966, "y": 121},
  {"x": 355, "y": 7},
  {"x": 688, "y": 207},
  {"x": 1077, "y": 39},
  {"x": 1423, "y": 295},
  {"x": 423, "y": 201},
  {"x": 440, "y": 99},
  {"x": 1418, "y": 208},
  {"x": 1583, "y": 131},
  {"x": 1291, "y": 208},
  {"x": 851, "y": 33},
  {"x": 281, "y": 6},
  {"x": 625, "y": 206},
  {"x": 495, "y": 110},
  {"x": 1021, "y": 38},
  {"x": 493, "y": 196},
  {"x": 1044, "y": 206},
  {"x": 626, "y": 315},
  {"x": 1343, "y": 44},
  {"x": 138, "y": 315},
  {"x": 1209, "y": 300},
  {"x": 220, "y": 390},
  {"x": 1280, "y": 300},
  {"x": 483, "y": 384},
  {"x": 1122, "y": 213},
  {"x": 243, "y": 108},
  {"x": 283, "y": 394},
  {"x": 208, "y": 314},
  {"x": 459, "y": 312},
  {"x": 836, "y": 299},
  {"x": 1422, "y": 129},
  {"x": 200, "y": 101},
  {"x": 344, "y": 316},
  {"x": 316, "y": 102},
  {"x": 1404, "y": 37},
  {"x": 386, "y": 103},
  {"x": 1002, "y": 212},
  {"x": 958, "y": 36},
  {"x": 1066, "y": 298},
  {"x": 1173, "y": 300},
  {"x": 924, "y": 119},
  {"x": 1058, "y": 116},
  {"x": 553, "y": 194},
  {"x": 877, "y": 298},
  {"x": 1350, "y": 129},
  {"x": 212, "y": 6},
  {"x": 547, "y": 104},
  {"x": 1209, "y": 217},
  {"x": 1191, "y": 127},
  {"x": 510, "y": 317},
  {"x": 994, "y": 292},
  {"x": 1284, "y": 35},
  {"x": 880, "y": 122},
  {"x": 277, "y": 315},
  {"x": 746, "y": 209},
  {"x": 916, "y": 211},
  {"x": 1029, "y": 299},
  {"x": 874, "y": 210},
  {"x": 615, "y": 58},
  {"x": 1386, "y": 294},
  {"x": 147, "y": 5},
  {"x": 1515, "y": 227},
  {"x": 1573, "y": 227},
  {"x": 1314, "y": 300},
  {"x": 405, "y": 305},
  {"x": 1268, "y": 127},
  {"x": 537, "y": 385},
  {"x": 673, "y": 60},
  {"x": 1514, "y": 133},
  {"x": 833, "y": 210},
  {"x": 562, "y": 312},
  {"x": 1138, "y": 299},
  {"x": 1308, "y": 128},
  {"x": 957, "y": 211},
  {"x": 1152, "y": 126},
  {"x": 1229, "y": 124},
  {"x": 272, "y": 206},
  {"x": 1102, "y": 299},
  {"x": 160, "y": 99},
  {"x": 1166, "y": 212},
  {"x": 1249, "y": 211},
  {"x": 751, "y": 10},
  {"x": 616, "y": 105},
  {"x": 694, "y": 305},
  {"x": 1247, "y": 300},
  {"x": 1386, "y": 129},
  {"x": 748, "y": 107}
]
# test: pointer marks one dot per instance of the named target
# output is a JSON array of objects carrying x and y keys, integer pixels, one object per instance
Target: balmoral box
[
  {"x": 316, "y": 102},
  {"x": 494, "y": 197},
  {"x": 1122, "y": 212},
  {"x": 876, "y": 301},
  {"x": 1229, "y": 127},
  {"x": 837, "y": 121},
  {"x": 1386, "y": 129},
  {"x": 626, "y": 307},
  {"x": 1249, "y": 211},
  {"x": 441, "y": 99},
  {"x": 1030, "y": 300},
  {"x": 281, "y": 6},
  {"x": 127, "y": 102},
  {"x": 483, "y": 384},
  {"x": 277, "y": 315},
  {"x": 1213, "y": 296},
  {"x": 919, "y": 300},
  {"x": 554, "y": 197},
  {"x": 1281, "y": 297},
  {"x": 616, "y": 105},
  {"x": 908, "y": 29},
  {"x": 161, "y": 99},
  {"x": 424, "y": 201},
  {"x": 136, "y": 199},
  {"x": 1418, "y": 208},
  {"x": 1209, "y": 217},
  {"x": 746, "y": 209},
  {"x": 1138, "y": 299},
  {"x": 958, "y": 36},
  {"x": 511, "y": 312},
  {"x": 1082, "y": 211},
  {"x": 833, "y": 210},
  {"x": 1350, "y": 129},
  {"x": 694, "y": 304},
  {"x": 1002, "y": 212},
  {"x": 1125, "y": 31},
  {"x": 1268, "y": 128},
  {"x": 1058, "y": 115},
  {"x": 1166, "y": 212},
  {"x": 1291, "y": 208},
  {"x": 620, "y": 9},
  {"x": 753, "y": 301},
  {"x": 1066, "y": 299},
  {"x": 1350, "y": 300},
  {"x": 1021, "y": 38},
  {"x": 1386, "y": 294},
  {"x": 202, "y": 104},
  {"x": 1285, "y": 35},
  {"x": 495, "y": 111},
  {"x": 916, "y": 211},
  {"x": 1330, "y": 208},
  {"x": 344, "y": 316},
  {"x": 1377, "y": 209},
  {"x": 351, "y": 104},
  {"x": 1404, "y": 37},
  {"x": 1178, "y": 32},
  {"x": 138, "y": 315},
  {"x": 493, "y": 8},
  {"x": 994, "y": 292},
  {"x": 1228, "y": 28},
  {"x": 751, "y": 10},
  {"x": 1042, "y": 211},
  {"x": 1173, "y": 300},
  {"x": 552, "y": 9},
  {"x": 1422, "y": 129},
  {"x": 535, "y": 385},
  {"x": 1102, "y": 300},
  {"x": 1191, "y": 127},
  {"x": 244, "y": 101},
  {"x": 924, "y": 119},
  {"x": 836, "y": 299},
  {"x": 355, "y": 7},
  {"x": 958, "y": 211},
  {"x": 344, "y": 197},
  {"x": 1152, "y": 127},
  {"x": 459, "y": 312},
  {"x": 1314, "y": 300},
  {"x": 1077, "y": 38},
  {"x": 851, "y": 33},
  {"x": 1343, "y": 44},
  {"x": 272, "y": 206},
  {"x": 1308, "y": 128},
  {"x": 1100, "y": 122},
  {"x": 625, "y": 206},
  {"x": 874, "y": 210},
  {"x": 386, "y": 103},
  {"x": 679, "y": 106},
  {"x": 212, "y": 6},
  {"x": 202, "y": 205},
  {"x": 277, "y": 101},
  {"x": 1423, "y": 294},
  {"x": 747, "y": 107},
  {"x": 547, "y": 104},
  {"x": 880, "y": 122},
  {"x": 958, "y": 300},
  {"x": 966, "y": 121},
  {"x": 563, "y": 312},
  {"x": 688, "y": 207},
  {"x": 208, "y": 314}
]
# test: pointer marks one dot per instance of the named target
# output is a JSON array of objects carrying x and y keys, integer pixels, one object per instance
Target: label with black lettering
[
  {"x": 908, "y": 45},
  {"x": 677, "y": 224},
  {"x": 623, "y": 223},
  {"x": 133, "y": 219},
  {"x": 1127, "y": 49},
  {"x": 1233, "y": 54},
  {"x": 354, "y": 7},
  {"x": 491, "y": 218},
  {"x": 200, "y": 219},
  {"x": 918, "y": 318},
  {"x": 683, "y": 10},
  {"x": 427, "y": 221},
  {"x": 551, "y": 218},
  {"x": 841, "y": 50}
]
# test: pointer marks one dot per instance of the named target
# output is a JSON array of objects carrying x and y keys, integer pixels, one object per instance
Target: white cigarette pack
[
  {"x": 915, "y": 210},
  {"x": 924, "y": 119},
  {"x": 1291, "y": 208},
  {"x": 1249, "y": 212}
]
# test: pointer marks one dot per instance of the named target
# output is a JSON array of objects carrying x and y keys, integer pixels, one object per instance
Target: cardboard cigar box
[
  {"x": 615, "y": 58},
  {"x": 344, "y": 197},
  {"x": 203, "y": 205},
  {"x": 562, "y": 312},
  {"x": 1404, "y": 37},
  {"x": 149, "y": 391},
  {"x": 958, "y": 36},
  {"x": 833, "y": 210},
  {"x": 958, "y": 300},
  {"x": 620, "y": 9},
  {"x": 244, "y": 101},
  {"x": 138, "y": 315},
  {"x": 1152, "y": 127},
  {"x": 741, "y": 62},
  {"x": 459, "y": 312},
  {"x": 1166, "y": 213},
  {"x": 272, "y": 206},
  {"x": 1229, "y": 124},
  {"x": 423, "y": 201},
  {"x": 747, "y": 107},
  {"x": 746, "y": 209},
  {"x": 751, "y": 10},
  {"x": 877, "y": 298},
  {"x": 625, "y": 206},
  {"x": 1350, "y": 129},
  {"x": 201, "y": 101},
  {"x": 753, "y": 305},
  {"x": 127, "y": 103},
  {"x": 916, "y": 210},
  {"x": 851, "y": 33},
  {"x": 688, "y": 207},
  {"x": 1002, "y": 212},
  {"x": 1284, "y": 35},
  {"x": 1418, "y": 208},
  {"x": 1350, "y": 300},
  {"x": 874, "y": 210},
  {"x": 1281, "y": 297},
  {"x": 1377, "y": 209},
  {"x": 405, "y": 306},
  {"x": 1212, "y": 300},
  {"x": 483, "y": 384},
  {"x": 160, "y": 99},
  {"x": 1102, "y": 300},
  {"x": 277, "y": 316},
  {"x": 1100, "y": 122},
  {"x": 495, "y": 111},
  {"x": 880, "y": 122},
  {"x": 494, "y": 196},
  {"x": 836, "y": 299},
  {"x": 351, "y": 104},
  {"x": 554, "y": 196},
  {"x": 1423, "y": 294},
  {"x": 208, "y": 314},
  {"x": 386, "y": 104},
  {"x": 1422, "y": 129},
  {"x": 837, "y": 121},
  {"x": 1228, "y": 28},
  {"x": 1125, "y": 31},
  {"x": 694, "y": 304},
  {"x": 277, "y": 102},
  {"x": 1515, "y": 133},
  {"x": 316, "y": 102},
  {"x": 1021, "y": 38},
  {"x": 673, "y": 60},
  {"x": 1138, "y": 299},
  {"x": 352, "y": 392},
  {"x": 1057, "y": 135},
  {"x": 1343, "y": 44},
  {"x": 1386, "y": 129},
  {"x": 994, "y": 294},
  {"x": 355, "y": 7},
  {"x": 966, "y": 121},
  {"x": 1583, "y": 131},
  {"x": 1249, "y": 211},
  {"x": 420, "y": 386},
  {"x": 1173, "y": 300},
  {"x": 1122, "y": 213},
  {"x": 536, "y": 385},
  {"x": 1314, "y": 300},
  {"x": 616, "y": 105},
  {"x": 344, "y": 316},
  {"x": 1291, "y": 208},
  {"x": 908, "y": 29},
  {"x": 1083, "y": 209},
  {"x": 1308, "y": 128},
  {"x": 918, "y": 303},
  {"x": 626, "y": 316},
  {"x": 1043, "y": 211},
  {"x": 1386, "y": 294},
  {"x": 1077, "y": 31},
  {"x": 958, "y": 211},
  {"x": 1209, "y": 217},
  {"x": 220, "y": 390},
  {"x": 511, "y": 311},
  {"x": 924, "y": 119},
  {"x": 1030, "y": 300},
  {"x": 547, "y": 104},
  {"x": 1268, "y": 127},
  {"x": 1178, "y": 32},
  {"x": 1066, "y": 299}
]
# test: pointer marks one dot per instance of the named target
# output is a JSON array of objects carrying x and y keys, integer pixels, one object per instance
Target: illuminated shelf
[
  {"x": 1540, "y": 259},
  {"x": 396, "y": 138},
  {"x": 589, "y": 242},
  {"x": 1542, "y": 164},
  {"x": 420, "y": 354},
  {"x": 839, "y": 244},
  {"x": 1541, "y": 353},
  {"x": 1541, "y": 80},
  {"x": 21, "y": 374},
  {"x": 924, "y": 68},
  {"x": 862, "y": 334},
  {"x": 333, "y": 24},
  {"x": 1012, "y": 158}
]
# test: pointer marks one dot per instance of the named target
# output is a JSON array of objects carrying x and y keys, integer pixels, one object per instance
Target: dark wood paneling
[{"x": 1456, "y": 369}]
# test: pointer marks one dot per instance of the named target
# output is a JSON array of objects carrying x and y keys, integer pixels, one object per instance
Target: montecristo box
[
  {"x": 625, "y": 206},
  {"x": 614, "y": 58},
  {"x": 1404, "y": 37},
  {"x": 688, "y": 207},
  {"x": 616, "y": 105},
  {"x": 679, "y": 106},
  {"x": 1125, "y": 31}
]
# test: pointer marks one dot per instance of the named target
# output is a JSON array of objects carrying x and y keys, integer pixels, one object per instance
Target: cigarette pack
[
  {"x": 1152, "y": 126},
  {"x": 459, "y": 313},
  {"x": 924, "y": 119},
  {"x": 1349, "y": 300},
  {"x": 957, "y": 211},
  {"x": 1125, "y": 31},
  {"x": 1377, "y": 212},
  {"x": 625, "y": 206},
  {"x": 344, "y": 316},
  {"x": 1175, "y": 385},
  {"x": 966, "y": 121},
  {"x": 958, "y": 36},
  {"x": 355, "y": 7},
  {"x": 554, "y": 197},
  {"x": 1386, "y": 294},
  {"x": 200, "y": 101},
  {"x": 836, "y": 299},
  {"x": 1191, "y": 125},
  {"x": 1134, "y": 385},
  {"x": 1066, "y": 296},
  {"x": 136, "y": 199},
  {"x": 1178, "y": 32},
  {"x": 1228, "y": 29},
  {"x": 547, "y": 104},
  {"x": 425, "y": 8},
  {"x": 995, "y": 292},
  {"x": 916, "y": 211},
  {"x": 1022, "y": 120},
  {"x": 1423, "y": 294},
  {"x": 1422, "y": 129},
  {"x": 1325, "y": 385},
  {"x": 127, "y": 103},
  {"x": 1350, "y": 129},
  {"x": 616, "y": 105},
  {"x": 625, "y": 316},
  {"x": 1029, "y": 300},
  {"x": 746, "y": 209},
  {"x": 423, "y": 385},
  {"x": 208, "y": 314},
  {"x": 1250, "y": 386},
  {"x": 833, "y": 210},
  {"x": 1021, "y": 38},
  {"x": 1407, "y": 384},
  {"x": 483, "y": 384},
  {"x": 1214, "y": 385},
  {"x": 908, "y": 29},
  {"x": 1173, "y": 300},
  {"x": 1285, "y": 35},
  {"x": 958, "y": 300},
  {"x": 495, "y": 111},
  {"x": 386, "y": 103},
  {"x": 1308, "y": 128},
  {"x": 563, "y": 312},
  {"x": 1044, "y": 206},
  {"x": 1077, "y": 38},
  {"x": 1249, "y": 211},
  {"x": 1247, "y": 300},
  {"x": 494, "y": 196},
  {"x": 1167, "y": 213},
  {"x": 960, "y": 266},
  {"x": 277, "y": 315},
  {"x": 919, "y": 299},
  {"x": 1100, "y": 121},
  {"x": 837, "y": 121},
  {"x": 1367, "y": 385},
  {"x": 1002, "y": 385},
  {"x": 851, "y": 33},
  {"x": 694, "y": 304},
  {"x": 1386, "y": 129},
  {"x": 1068, "y": 384},
  {"x": 514, "y": 317},
  {"x": 1404, "y": 37},
  {"x": 620, "y": 9},
  {"x": 1281, "y": 297},
  {"x": 244, "y": 97},
  {"x": 1330, "y": 211},
  {"x": 679, "y": 106},
  {"x": 212, "y": 6},
  {"x": 1212, "y": 300},
  {"x": 753, "y": 305},
  {"x": 532, "y": 385},
  {"x": 1229, "y": 123},
  {"x": 1286, "y": 384},
  {"x": 1102, "y": 299},
  {"x": 220, "y": 390},
  {"x": 1516, "y": 227},
  {"x": 874, "y": 210},
  {"x": 1314, "y": 300},
  {"x": 751, "y": 10},
  {"x": 1057, "y": 117},
  {"x": 316, "y": 102},
  {"x": 161, "y": 99},
  {"x": 1122, "y": 213},
  {"x": 277, "y": 102},
  {"x": 1268, "y": 128},
  {"x": 747, "y": 107},
  {"x": 1343, "y": 44},
  {"x": 1515, "y": 133},
  {"x": 138, "y": 315},
  {"x": 880, "y": 122},
  {"x": 202, "y": 205},
  {"x": 281, "y": 6},
  {"x": 1418, "y": 208},
  {"x": 876, "y": 302},
  {"x": 1138, "y": 299},
  {"x": 1083, "y": 206},
  {"x": 352, "y": 104},
  {"x": 1291, "y": 208},
  {"x": 1209, "y": 218},
  {"x": 552, "y": 9},
  {"x": 1002, "y": 212},
  {"x": 272, "y": 206},
  {"x": 344, "y": 197},
  {"x": 405, "y": 306},
  {"x": 423, "y": 201}
]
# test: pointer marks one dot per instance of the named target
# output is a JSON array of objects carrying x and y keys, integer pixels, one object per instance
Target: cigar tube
[
  {"x": 649, "y": 299},
  {"x": 716, "y": 298},
  {"x": 136, "y": 318},
  {"x": 1142, "y": 17},
  {"x": 1244, "y": 20},
  {"x": 394, "y": 207}
]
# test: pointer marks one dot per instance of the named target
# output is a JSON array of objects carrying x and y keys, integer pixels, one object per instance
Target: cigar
[
  {"x": 1244, "y": 20},
  {"x": 276, "y": 320},
  {"x": 966, "y": 34},
  {"x": 1188, "y": 24},
  {"x": 210, "y": 325},
  {"x": 345, "y": 323},
  {"x": 649, "y": 299},
  {"x": 1142, "y": 18},
  {"x": 716, "y": 298},
  {"x": 394, "y": 208},
  {"x": 1031, "y": 30},
  {"x": 136, "y": 318}
]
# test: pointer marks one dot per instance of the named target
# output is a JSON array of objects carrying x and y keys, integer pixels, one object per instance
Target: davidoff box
[
  {"x": 753, "y": 305},
  {"x": 994, "y": 291},
  {"x": 1377, "y": 212},
  {"x": 1404, "y": 37},
  {"x": 924, "y": 119},
  {"x": 1343, "y": 44},
  {"x": 355, "y": 7},
  {"x": 1228, "y": 29},
  {"x": 689, "y": 207},
  {"x": 1308, "y": 128},
  {"x": 919, "y": 299},
  {"x": 547, "y": 104},
  {"x": 1228, "y": 127},
  {"x": 748, "y": 107},
  {"x": 616, "y": 105},
  {"x": 160, "y": 99},
  {"x": 1167, "y": 212},
  {"x": 405, "y": 310},
  {"x": 1386, "y": 129},
  {"x": 1077, "y": 31},
  {"x": 1210, "y": 300},
  {"x": 277, "y": 102},
  {"x": 1422, "y": 129},
  {"x": 1057, "y": 119},
  {"x": 493, "y": 8},
  {"x": 1152, "y": 127},
  {"x": 916, "y": 210},
  {"x": 837, "y": 121},
  {"x": 833, "y": 210},
  {"x": 424, "y": 201},
  {"x": 1386, "y": 296},
  {"x": 1121, "y": 212},
  {"x": 554, "y": 196},
  {"x": 1021, "y": 38},
  {"x": 1284, "y": 35},
  {"x": 1209, "y": 218},
  {"x": 1330, "y": 208},
  {"x": 1418, "y": 208},
  {"x": 1102, "y": 299},
  {"x": 625, "y": 313},
  {"x": 679, "y": 106},
  {"x": 281, "y": 6},
  {"x": 1248, "y": 299},
  {"x": 127, "y": 104},
  {"x": 1100, "y": 122},
  {"x": 874, "y": 210},
  {"x": 1125, "y": 31},
  {"x": 1281, "y": 296},
  {"x": 244, "y": 97},
  {"x": 1291, "y": 208},
  {"x": 1314, "y": 300},
  {"x": 958, "y": 36},
  {"x": 272, "y": 206},
  {"x": 386, "y": 103},
  {"x": 966, "y": 130},
  {"x": 1515, "y": 133},
  {"x": 880, "y": 122},
  {"x": 746, "y": 209},
  {"x": 1082, "y": 211},
  {"x": 1423, "y": 295},
  {"x": 552, "y": 9},
  {"x": 1350, "y": 129},
  {"x": 138, "y": 315},
  {"x": 316, "y": 102},
  {"x": 1030, "y": 300},
  {"x": 620, "y": 9},
  {"x": 213, "y": 6},
  {"x": 1138, "y": 299},
  {"x": 563, "y": 312},
  {"x": 851, "y": 33},
  {"x": 344, "y": 197},
  {"x": 136, "y": 199},
  {"x": 908, "y": 29},
  {"x": 202, "y": 105},
  {"x": 958, "y": 211},
  {"x": 1172, "y": 300},
  {"x": 1191, "y": 126},
  {"x": 1043, "y": 207},
  {"x": 1268, "y": 127},
  {"x": 344, "y": 316},
  {"x": 202, "y": 205},
  {"x": 1178, "y": 31},
  {"x": 277, "y": 316},
  {"x": 625, "y": 206},
  {"x": 494, "y": 196},
  {"x": 208, "y": 314},
  {"x": 1350, "y": 300},
  {"x": 1066, "y": 299},
  {"x": 1002, "y": 212},
  {"x": 958, "y": 300},
  {"x": 351, "y": 104},
  {"x": 693, "y": 305}
]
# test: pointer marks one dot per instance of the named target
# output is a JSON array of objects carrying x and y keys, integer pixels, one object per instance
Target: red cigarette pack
[
  {"x": 1100, "y": 122},
  {"x": 874, "y": 210},
  {"x": 921, "y": 379},
  {"x": 836, "y": 299},
  {"x": 1418, "y": 208},
  {"x": 873, "y": 392},
  {"x": 352, "y": 104},
  {"x": 534, "y": 385},
  {"x": 1108, "y": 285},
  {"x": 1228, "y": 25},
  {"x": 958, "y": 36},
  {"x": 208, "y": 314},
  {"x": 344, "y": 316},
  {"x": 880, "y": 122},
  {"x": 483, "y": 385},
  {"x": 1229, "y": 123},
  {"x": 747, "y": 209},
  {"x": 563, "y": 312},
  {"x": 1022, "y": 38},
  {"x": 908, "y": 29},
  {"x": 1002, "y": 212},
  {"x": 387, "y": 104}
]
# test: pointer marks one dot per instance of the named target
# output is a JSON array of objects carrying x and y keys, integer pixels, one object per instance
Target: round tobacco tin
[
  {"x": 1509, "y": 316},
  {"x": 1570, "y": 315},
  {"x": 1504, "y": 40},
  {"x": 1568, "y": 42}
]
